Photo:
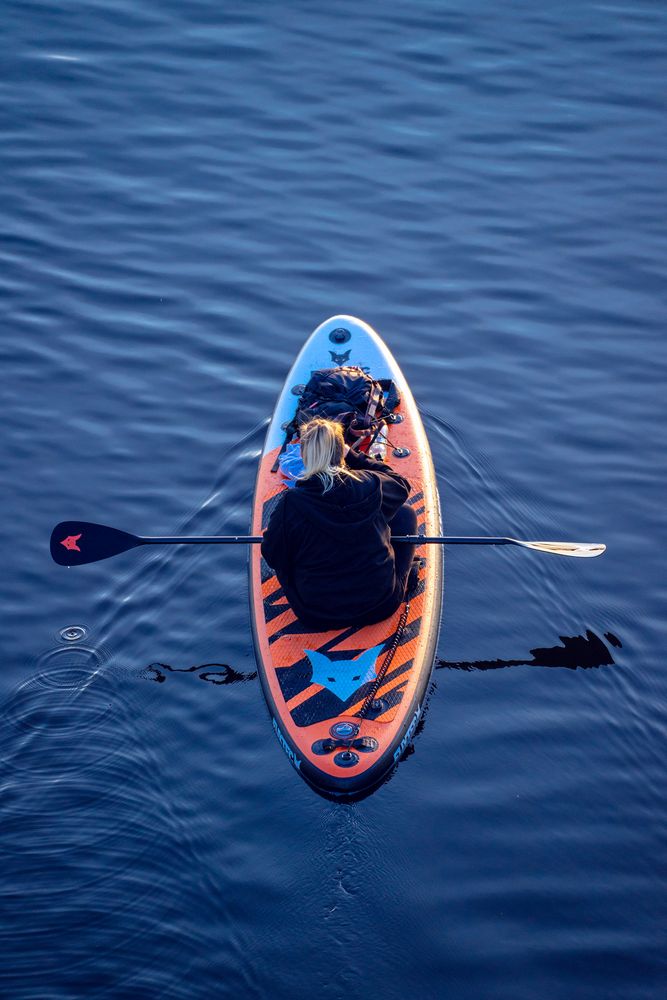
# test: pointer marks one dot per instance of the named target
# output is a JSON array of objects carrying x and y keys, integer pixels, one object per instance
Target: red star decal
[{"x": 70, "y": 543}]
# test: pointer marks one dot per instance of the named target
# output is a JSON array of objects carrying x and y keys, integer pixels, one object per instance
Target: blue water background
[{"x": 188, "y": 189}]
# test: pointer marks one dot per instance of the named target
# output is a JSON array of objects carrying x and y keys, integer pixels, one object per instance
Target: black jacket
[{"x": 331, "y": 551}]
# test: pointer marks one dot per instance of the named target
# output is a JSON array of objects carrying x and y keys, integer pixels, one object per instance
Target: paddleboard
[{"x": 342, "y": 732}]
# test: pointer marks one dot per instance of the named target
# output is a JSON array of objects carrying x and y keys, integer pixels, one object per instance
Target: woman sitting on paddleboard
[{"x": 329, "y": 538}]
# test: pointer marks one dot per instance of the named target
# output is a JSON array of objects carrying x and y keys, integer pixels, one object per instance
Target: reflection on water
[
  {"x": 578, "y": 651},
  {"x": 214, "y": 673},
  {"x": 575, "y": 652}
]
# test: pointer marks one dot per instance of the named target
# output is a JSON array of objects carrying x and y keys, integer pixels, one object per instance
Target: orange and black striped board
[{"x": 311, "y": 679}]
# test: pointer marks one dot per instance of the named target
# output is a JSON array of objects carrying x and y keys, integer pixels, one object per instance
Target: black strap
[
  {"x": 290, "y": 431},
  {"x": 386, "y": 663}
]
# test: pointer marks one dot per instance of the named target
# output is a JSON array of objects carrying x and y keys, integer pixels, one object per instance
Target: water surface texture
[{"x": 188, "y": 189}]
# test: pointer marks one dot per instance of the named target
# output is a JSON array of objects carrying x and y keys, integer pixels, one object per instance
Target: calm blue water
[{"x": 187, "y": 191}]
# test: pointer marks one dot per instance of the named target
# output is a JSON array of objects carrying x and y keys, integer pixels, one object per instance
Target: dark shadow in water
[
  {"x": 223, "y": 674},
  {"x": 578, "y": 651},
  {"x": 583, "y": 651}
]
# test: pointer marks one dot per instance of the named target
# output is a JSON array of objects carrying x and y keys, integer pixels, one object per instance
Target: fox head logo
[
  {"x": 340, "y": 359},
  {"x": 70, "y": 543},
  {"x": 343, "y": 677}
]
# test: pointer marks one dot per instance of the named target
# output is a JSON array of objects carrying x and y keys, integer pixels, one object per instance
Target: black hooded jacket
[{"x": 331, "y": 551}]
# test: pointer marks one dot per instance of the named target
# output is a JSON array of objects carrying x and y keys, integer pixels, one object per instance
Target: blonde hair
[{"x": 323, "y": 452}]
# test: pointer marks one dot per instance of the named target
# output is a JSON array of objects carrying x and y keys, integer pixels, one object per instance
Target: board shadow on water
[{"x": 583, "y": 652}]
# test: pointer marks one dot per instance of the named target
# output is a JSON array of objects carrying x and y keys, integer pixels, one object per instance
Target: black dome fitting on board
[
  {"x": 346, "y": 758},
  {"x": 340, "y": 335}
]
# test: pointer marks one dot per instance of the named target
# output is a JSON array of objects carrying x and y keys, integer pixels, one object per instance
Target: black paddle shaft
[{"x": 254, "y": 539}]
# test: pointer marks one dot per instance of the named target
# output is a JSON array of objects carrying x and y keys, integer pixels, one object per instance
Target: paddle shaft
[
  {"x": 581, "y": 549},
  {"x": 256, "y": 539}
]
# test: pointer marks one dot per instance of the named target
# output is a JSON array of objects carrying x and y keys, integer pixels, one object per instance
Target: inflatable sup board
[{"x": 341, "y": 729}]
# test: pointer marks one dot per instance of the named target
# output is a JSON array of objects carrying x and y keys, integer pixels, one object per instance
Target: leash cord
[{"x": 386, "y": 663}]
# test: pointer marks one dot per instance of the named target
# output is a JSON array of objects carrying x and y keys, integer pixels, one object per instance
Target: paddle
[{"x": 74, "y": 543}]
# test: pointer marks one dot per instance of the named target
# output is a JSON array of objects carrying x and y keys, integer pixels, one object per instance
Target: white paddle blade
[{"x": 581, "y": 550}]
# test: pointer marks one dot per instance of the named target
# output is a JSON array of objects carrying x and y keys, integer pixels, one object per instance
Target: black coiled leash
[{"x": 386, "y": 663}]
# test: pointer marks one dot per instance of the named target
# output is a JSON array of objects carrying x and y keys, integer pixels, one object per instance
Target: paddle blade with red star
[{"x": 74, "y": 543}]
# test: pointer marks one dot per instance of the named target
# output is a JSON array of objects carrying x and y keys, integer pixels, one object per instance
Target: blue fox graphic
[{"x": 343, "y": 677}]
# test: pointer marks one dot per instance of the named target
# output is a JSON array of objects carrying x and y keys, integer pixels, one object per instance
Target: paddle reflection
[
  {"x": 578, "y": 651},
  {"x": 213, "y": 673}
]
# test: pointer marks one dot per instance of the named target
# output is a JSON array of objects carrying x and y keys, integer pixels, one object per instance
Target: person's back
[{"x": 329, "y": 539}]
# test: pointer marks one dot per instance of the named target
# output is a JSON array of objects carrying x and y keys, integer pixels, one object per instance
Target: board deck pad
[
  {"x": 308, "y": 702},
  {"x": 312, "y": 680}
]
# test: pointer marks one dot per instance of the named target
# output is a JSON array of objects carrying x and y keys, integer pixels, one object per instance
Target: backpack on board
[{"x": 348, "y": 395}]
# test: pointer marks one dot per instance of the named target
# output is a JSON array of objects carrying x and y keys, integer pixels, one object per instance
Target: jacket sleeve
[
  {"x": 395, "y": 488},
  {"x": 274, "y": 545}
]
